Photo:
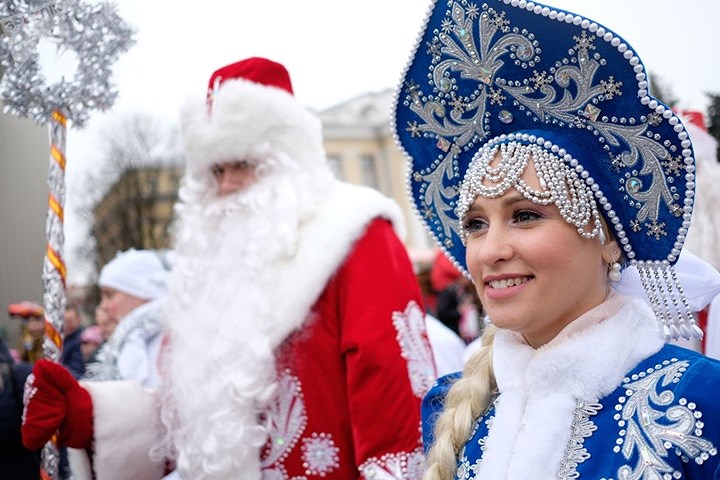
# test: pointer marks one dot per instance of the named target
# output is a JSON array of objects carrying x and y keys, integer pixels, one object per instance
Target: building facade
[{"x": 24, "y": 163}]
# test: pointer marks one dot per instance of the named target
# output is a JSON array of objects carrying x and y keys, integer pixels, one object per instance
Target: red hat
[
  {"x": 253, "y": 112},
  {"x": 255, "y": 69},
  {"x": 26, "y": 309}
]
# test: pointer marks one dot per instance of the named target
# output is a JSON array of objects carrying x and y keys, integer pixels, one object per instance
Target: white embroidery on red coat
[
  {"x": 395, "y": 466},
  {"x": 285, "y": 421},
  {"x": 320, "y": 455},
  {"x": 415, "y": 348}
]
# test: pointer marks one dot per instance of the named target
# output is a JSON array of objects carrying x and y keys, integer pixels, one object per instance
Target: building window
[
  {"x": 368, "y": 171},
  {"x": 335, "y": 166}
]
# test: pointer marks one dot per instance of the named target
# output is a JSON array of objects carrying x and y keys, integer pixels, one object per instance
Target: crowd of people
[{"x": 285, "y": 336}]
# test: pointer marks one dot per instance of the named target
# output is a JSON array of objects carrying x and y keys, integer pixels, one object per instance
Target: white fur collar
[
  {"x": 324, "y": 241},
  {"x": 539, "y": 389}
]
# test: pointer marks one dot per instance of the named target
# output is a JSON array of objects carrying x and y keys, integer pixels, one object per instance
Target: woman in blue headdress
[{"x": 551, "y": 177}]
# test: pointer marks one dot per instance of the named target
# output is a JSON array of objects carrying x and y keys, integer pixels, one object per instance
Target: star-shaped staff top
[{"x": 96, "y": 33}]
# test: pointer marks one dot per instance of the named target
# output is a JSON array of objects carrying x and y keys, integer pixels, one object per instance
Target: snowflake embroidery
[
  {"x": 583, "y": 42},
  {"x": 611, "y": 88},
  {"x": 656, "y": 229},
  {"x": 413, "y": 129},
  {"x": 654, "y": 119},
  {"x": 415, "y": 348},
  {"x": 500, "y": 22},
  {"x": 428, "y": 213},
  {"x": 472, "y": 11},
  {"x": 320, "y": 454},
  {"x": 674, "y": 166},
  {"x": 458, "y": 104},
  {"x": 496, "y": 96},
  {"x": 446, "y": 25},
  {"x": 635, "y": 225},
  {"x": 540, "y": 79}
]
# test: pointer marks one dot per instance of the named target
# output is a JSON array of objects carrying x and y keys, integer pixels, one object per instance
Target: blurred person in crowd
[
  {"x": 72, "y": 357},
  {"x": 296, "y": 343},
  {"x": 90, "y": 339},
  {"x": 16, "y": 461},
  {"x": 32, "y": 315},
  {"x": 133, "y": 287}
]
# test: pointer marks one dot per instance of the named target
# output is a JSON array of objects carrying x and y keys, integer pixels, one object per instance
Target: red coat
[{"x": 347, "y": 405}]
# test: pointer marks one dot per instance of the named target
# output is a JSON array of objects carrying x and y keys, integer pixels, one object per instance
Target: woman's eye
[
  {"x": 471, "y": 225},
  {"x": 523, "y": 216}
]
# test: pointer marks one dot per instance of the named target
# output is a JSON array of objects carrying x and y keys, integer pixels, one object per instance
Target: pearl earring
[{"x": 614, "y": 274}]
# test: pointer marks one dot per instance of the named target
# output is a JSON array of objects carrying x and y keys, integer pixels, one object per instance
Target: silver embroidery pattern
[
  {"x": 285, "y": 422},
  {"x": 475, "y": 43},
  {"x": 655, "y": 424},
  {"x": 395, "y": 466},
  {"x": 465, "y": 468},
  {"x": 582, "y": 428},
  {"x": 415, "y": 348},
  {"x": 320, "y": 455}
]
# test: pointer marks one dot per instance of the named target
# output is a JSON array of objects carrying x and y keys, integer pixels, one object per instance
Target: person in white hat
[
  {"x": 133, "y": 287},
  {"x": 296, "y": 342}
]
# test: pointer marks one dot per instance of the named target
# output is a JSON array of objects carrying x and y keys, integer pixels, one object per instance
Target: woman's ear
[{"x": 611, "y": 251}]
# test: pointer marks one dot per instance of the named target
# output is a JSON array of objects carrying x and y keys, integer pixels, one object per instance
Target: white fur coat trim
[
  {"x": 124, "y": 421},
  {"x": 539, "y": 389},
  {"x": 325, "y": 240}
]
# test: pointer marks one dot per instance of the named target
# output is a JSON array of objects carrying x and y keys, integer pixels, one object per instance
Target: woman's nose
[{"x": 496, "y": 245}]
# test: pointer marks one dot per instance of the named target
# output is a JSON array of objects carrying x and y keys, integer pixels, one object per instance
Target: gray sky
[{"x": 336, "y": 50}]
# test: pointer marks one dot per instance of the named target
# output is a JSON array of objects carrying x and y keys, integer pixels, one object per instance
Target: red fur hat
[{"x": 250, "y": 107}]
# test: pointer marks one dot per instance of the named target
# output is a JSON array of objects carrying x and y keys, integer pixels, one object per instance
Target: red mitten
[{"x": 55, "y": 401}]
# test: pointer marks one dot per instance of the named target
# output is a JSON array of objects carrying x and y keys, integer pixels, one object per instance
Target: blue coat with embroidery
[{"x": 661, "y": 422}]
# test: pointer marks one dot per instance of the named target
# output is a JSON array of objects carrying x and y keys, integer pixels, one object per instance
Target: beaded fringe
[{"x": 668, "y": 300}]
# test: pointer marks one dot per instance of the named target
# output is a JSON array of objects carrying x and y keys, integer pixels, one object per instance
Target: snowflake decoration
[
  {"x": 434, "y": 48},
  {"x": 413, "y": 129},
  {"x": 540, "y": 79},
  {"x": 320, "y": 454},
  {"x": 673, "y": 166},
  {"x": 611, "y": 88},
  {"x": 583, "y": 42},
  {"x": 417, "y": 176},
  {"x": 446, "y": 25},
  {"x": 472, "y": 11},
  {"x": 428, "y": 213},
  {"x": 500, "y": 22},
  {"x": 676, "y": 210},
  {"x": 654, "y": 119},
  {"x": 656, "y": 229},
  {"x": 458, "y": 104},
  {"x": 496, "y": 96},
  {"x": 96, "y": 34}
]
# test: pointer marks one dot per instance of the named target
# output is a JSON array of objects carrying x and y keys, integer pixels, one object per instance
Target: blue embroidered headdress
[{"x": 522, "y": 78}]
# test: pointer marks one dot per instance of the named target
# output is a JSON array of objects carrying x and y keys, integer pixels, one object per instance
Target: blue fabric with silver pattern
[{"x": 500, "y": 67}]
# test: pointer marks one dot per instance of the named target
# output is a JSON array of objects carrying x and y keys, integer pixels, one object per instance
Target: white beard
[{"x": 219, "y": 368}]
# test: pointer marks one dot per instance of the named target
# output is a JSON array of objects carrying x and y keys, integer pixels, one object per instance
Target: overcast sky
[{"x": 336, "y": 50}]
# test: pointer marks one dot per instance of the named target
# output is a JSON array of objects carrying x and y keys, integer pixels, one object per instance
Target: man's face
[{"x": 234, "y": 176}]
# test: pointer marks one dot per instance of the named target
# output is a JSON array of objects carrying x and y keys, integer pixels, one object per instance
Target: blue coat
[{"x": 662, "y": 419}]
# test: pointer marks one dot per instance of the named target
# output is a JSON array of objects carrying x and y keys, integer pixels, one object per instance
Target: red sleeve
[{"x": 384, "y": 345}]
